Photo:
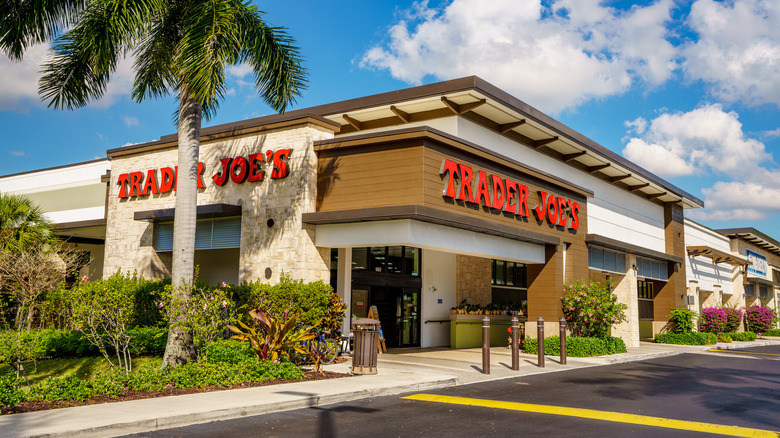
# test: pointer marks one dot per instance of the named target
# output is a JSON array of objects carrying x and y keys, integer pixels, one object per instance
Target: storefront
[{"x": 410, "y": 202}]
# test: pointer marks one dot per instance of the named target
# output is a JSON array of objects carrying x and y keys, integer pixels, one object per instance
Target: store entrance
[{"x": 399, "y": 310}]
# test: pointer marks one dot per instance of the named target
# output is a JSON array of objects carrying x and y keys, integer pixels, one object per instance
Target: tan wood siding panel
[{"x": 370, "y": 177}]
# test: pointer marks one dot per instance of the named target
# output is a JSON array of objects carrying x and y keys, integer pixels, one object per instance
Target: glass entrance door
[{"x": 399, "y": 313}]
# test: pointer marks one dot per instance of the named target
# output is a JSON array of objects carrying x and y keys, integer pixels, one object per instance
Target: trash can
[{"x": 366, "y": 346}]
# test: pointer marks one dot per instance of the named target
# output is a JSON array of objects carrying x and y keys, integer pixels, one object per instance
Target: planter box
[{"x": 466, "y": 330}]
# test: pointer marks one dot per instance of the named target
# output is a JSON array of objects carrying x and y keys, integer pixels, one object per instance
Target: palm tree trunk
[{"x": 180, "y": 349}]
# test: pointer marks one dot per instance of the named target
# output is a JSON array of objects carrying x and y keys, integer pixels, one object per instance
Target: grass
[{"x": 82, "y": 367}]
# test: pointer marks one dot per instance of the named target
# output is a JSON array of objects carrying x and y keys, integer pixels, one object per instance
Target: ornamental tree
[{"x": 592, "y": 309}]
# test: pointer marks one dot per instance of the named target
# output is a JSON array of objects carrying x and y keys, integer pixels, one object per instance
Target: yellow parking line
[
  {"x": 743, "y": 352},
  {"x": 600, "y": 415}
]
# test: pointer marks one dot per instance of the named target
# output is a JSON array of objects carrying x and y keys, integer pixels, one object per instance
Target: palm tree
[
  {"x": 180, "y": 46},
  {"x": 22, "y": 225}
]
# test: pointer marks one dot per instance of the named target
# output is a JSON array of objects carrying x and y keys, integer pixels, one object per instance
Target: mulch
[{"x": 139, "y": 395}]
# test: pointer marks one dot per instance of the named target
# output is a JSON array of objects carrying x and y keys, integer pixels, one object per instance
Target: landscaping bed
[{"x": 169, "y": 391}]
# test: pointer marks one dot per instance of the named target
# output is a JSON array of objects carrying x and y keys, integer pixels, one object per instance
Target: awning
[
  {"x": 717, "y": 256},
  {"x": 203, "y": 211}
]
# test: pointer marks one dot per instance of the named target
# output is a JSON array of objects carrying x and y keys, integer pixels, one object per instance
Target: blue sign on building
[{"x": 759, "y": 265}]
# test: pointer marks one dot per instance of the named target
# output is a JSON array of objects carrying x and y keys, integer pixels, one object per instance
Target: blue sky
[{"x": 688, "y": 89}]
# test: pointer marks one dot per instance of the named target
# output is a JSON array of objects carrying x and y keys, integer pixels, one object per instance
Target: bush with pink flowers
[
  {"x": 592, "y": 309},
  {"x": 713, "y": 320},
  {"x": 759, "y": 319},
  {"x": 733, "y": 319}
]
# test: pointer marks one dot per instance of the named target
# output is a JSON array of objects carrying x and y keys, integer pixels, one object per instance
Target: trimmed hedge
[
  {"x": 692, "y": 338},
  {"x": 229, "y": 351},
  {"x": 773, "y": 332},
  {"x": 578, "y": 346},
  {"x": 724, "y": 337},
  {"x": 146, "y": 341},
  {"x": 115, "y": 383},
  {"x": 742, "y": 336}
]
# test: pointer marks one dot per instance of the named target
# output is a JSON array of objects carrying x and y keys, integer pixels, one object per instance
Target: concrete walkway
[{"x": 400, "y": 371}]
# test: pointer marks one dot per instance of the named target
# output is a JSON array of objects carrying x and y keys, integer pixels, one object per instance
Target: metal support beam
[
  {"x": 404, "y": 116},
  {"x": 638, "y": 187},
  {"x": 594, "y": 169},
  {"x": 619, "y": 177}
]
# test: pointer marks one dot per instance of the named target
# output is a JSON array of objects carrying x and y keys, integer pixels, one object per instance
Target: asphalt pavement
[{"x": 727, "y": 392}]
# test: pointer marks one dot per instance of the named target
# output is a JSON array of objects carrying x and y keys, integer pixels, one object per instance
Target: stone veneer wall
[
  {"x": 473, "y": 280},
  {"x": 286, "y": 246},
  {"x": 625, "y": 287}
]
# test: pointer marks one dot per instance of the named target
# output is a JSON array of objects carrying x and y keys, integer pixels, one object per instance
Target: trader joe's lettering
[
  {"x": 238, "y": 169},
  {"x": 463, "y": 184}
]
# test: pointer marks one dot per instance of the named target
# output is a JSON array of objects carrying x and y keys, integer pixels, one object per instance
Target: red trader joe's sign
[
  {"x": 238, "y": 169},
  {"x": 463, "y": 184}
]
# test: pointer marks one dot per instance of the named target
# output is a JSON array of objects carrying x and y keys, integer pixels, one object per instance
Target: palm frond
[
  {"x": 27, "y": 22},
  {"x": 86, "y": 55},
  {"x": 276, "y": 62}
]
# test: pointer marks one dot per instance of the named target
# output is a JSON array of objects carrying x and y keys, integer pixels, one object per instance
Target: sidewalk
[{"x": 400, "y": 371}]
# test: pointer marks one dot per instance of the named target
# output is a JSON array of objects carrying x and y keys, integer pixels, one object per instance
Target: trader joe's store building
[{"x": 412, "y": 201}]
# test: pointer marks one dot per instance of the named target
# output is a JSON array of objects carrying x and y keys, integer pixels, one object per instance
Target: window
[
  {"x": 603, "y": 259},
  {"x": 334, "y": 268},
  {"x": 652, "y": 269},
  {"x": 219, "y": 233},
  {"x": 508, "y": 274},
  {"x": 389, "y": 259},
  {"x": 762, "y": 291},
  {"x": 645, "y": 294},
  {"x": 509, "y": 280},
  {"x": 749, "y": 290}
]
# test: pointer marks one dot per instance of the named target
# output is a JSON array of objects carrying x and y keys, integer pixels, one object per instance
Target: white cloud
[
  {"x": 19, "y": 83},
  {"x": 772, "y": 133},
  {"x": 737, "y": 49},
  {"x": 708, "y": 140},
  {"x": 664, "y": 160},
  {"x": 704, "y": 139},
  {"x": 130, "y": 121},
  {"x": 555, "y": 58},
  {"x": 18, "y": 153}
]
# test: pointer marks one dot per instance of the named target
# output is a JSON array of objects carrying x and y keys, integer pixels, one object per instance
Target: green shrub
[
  {"x": 682, "y": 320},
  {"x": 724, "y": 337},
  {"x": 229, "y": 351},
  {"x": 773, "y": 332},
  {"x": 311, "y": 300},
  {"x": 692, "y": 338},
  {"x": 67, "y": 343},
  {"x": 148, "y": 341},
  {"x": 592, "y": 309},
  {"x": 742, "y": 336},
  {"x": 147, "y": 300},
  {"x": 577, "y": 346},
  {"x": 20, "y": 346},
  {"x": 10, "y": 394},
  {"x": 116, "y": 382}
]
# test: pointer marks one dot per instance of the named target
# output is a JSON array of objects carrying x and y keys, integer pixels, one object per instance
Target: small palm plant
[{"x": 274, "y": 338}]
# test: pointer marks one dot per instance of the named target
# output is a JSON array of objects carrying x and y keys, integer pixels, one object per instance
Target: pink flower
[
  {"x": 85, "y": 279},
  {"x": 224, "y": 303},
  {"x": 224, "y": 284},
  {"x": 212, "y": 298}
]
